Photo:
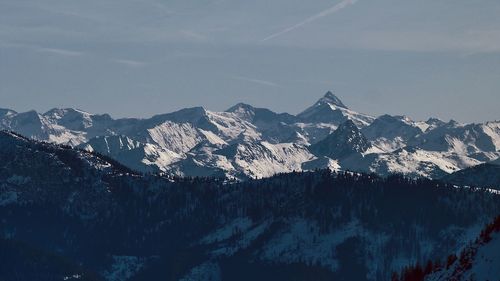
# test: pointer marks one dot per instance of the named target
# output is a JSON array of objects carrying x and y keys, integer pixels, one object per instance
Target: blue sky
[{"x": 141, "y": 57}]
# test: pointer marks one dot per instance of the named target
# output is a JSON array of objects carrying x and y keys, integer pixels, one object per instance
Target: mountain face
[
  {"x": 71, "y": 214},
  {"x": 261, "y": 117},
  {"x": 134, "y": 154},
  {"x": 389, "y": 133},
  {"x": 331, "y": 110},
  {"x": 195, "y": 141},
  {"x": 470, "y": 139},
  {"x": 346, "y": 140}
]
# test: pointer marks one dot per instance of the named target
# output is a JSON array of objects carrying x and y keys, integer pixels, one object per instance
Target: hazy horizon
[{"x": 293, "y": 113}]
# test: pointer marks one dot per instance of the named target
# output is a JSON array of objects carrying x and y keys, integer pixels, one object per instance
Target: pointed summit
[
  {"x": 391, "y": 127},
  {"x": 261, "y": 116},
  {"x": 331, "y": 98},
  {"x": 344, "y": 141},
  {"x": 241, "y": 106},
  {"x": 330, "y": 109},
  {"x": 192, "y": 115},
  {"x": 4, "y": 112},
  {"x": 71, "y": 118},
  {"x": 243, "y": 111}
]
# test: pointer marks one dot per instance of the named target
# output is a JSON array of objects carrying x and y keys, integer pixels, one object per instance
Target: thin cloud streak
[
  {"x": 61, "y": 52},
  {"x": 322, "y": 14},
  {"x": 133, "y": 63},
  {"x": 256, "y": 81}
]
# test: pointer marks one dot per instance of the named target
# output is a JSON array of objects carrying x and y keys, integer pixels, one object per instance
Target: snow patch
[
  {"x": 208, "y": 271},
  {"x": 124, "y": 268},
  {"x": 7, "y": 198}
]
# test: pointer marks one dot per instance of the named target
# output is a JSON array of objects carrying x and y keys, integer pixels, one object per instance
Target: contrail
[{"x": 324, "y": 13}]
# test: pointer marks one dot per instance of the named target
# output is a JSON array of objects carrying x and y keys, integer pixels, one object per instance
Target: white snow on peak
[
  {"x": 329, "y": 109},
  {"x": 255, "y": 142},
  {"x": 331, "y": 99},
  {"x": 178, "y": 137},
  {"x": 264, "y": 159},
  {"x": 213, "y": 138},
  {"x": 492, "y": 129}
]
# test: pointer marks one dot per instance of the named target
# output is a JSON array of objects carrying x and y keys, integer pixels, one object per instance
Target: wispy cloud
[
  {"x": 193, "y": 35},
  {"x": 322, "y": 14},
  {"x": 256, "y": 81},
  {"x": 61, "y": 52},
  {"x": 133, "y": 63},
  {"x": 467, "y": 42}
]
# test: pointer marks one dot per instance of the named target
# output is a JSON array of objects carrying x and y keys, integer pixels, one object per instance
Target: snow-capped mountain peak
[
  {"x": 241, "y": 107},
  {"x": 389, "y": 133},
  {"x": 260, "y": 116},
  {"x": 133, "y": 154},
  {"x": 330, "y": 109},
  {"x": 6, "y": 112},
  {"x": 185, "y": 142},
  {"x": 332, "y": 99},
  {"x": 191, "y": 115},
  {"x": 70, "y": 118},
  {"x": 434, "y": 123}
]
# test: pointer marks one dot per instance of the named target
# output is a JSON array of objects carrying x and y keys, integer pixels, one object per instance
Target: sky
[{"x": 137, "y": 58}]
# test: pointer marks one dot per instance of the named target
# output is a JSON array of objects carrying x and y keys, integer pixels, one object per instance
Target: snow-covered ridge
[{"x": 245, "y": 141}]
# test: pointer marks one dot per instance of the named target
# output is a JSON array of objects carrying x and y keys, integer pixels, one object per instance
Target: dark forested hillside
[
  {"x": 483, "y": 175},
  {"x": 68, "y": 214}
]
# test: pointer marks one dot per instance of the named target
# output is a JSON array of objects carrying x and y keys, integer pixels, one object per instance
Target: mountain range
[
  {"x": 71, "y": 214},
  {"x": 247, "y": 142}
]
